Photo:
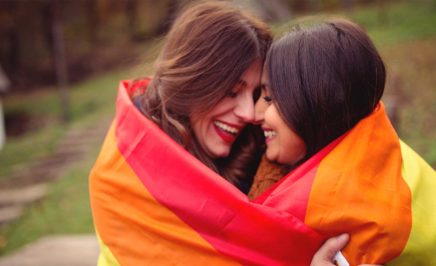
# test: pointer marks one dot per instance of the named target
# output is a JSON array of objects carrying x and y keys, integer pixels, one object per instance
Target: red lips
[{"x": 224, "y": 135}]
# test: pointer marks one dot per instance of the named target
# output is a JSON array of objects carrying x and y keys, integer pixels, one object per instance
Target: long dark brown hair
[
  {"x": 208, "y": 48},
  {"x": 324, "y": 78}
]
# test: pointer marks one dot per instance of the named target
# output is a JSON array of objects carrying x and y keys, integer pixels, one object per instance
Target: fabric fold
[{"x": 154, "y": 203}]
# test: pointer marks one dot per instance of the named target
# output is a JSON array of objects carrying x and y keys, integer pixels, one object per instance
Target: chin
[
  {"x": 270, "y": 157},
  {"x": 220, "y": 154}
]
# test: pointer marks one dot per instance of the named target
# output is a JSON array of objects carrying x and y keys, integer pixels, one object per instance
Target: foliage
[{"x": 97, "y": 35}]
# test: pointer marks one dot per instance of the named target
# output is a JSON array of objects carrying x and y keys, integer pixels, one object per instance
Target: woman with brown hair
[
  {"x": 202, "y": 92},
  {"x": 322, "y": 117}
]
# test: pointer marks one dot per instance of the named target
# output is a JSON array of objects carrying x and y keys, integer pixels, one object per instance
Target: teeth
[
  {"x": 269, "y": 134},
  {"x": 226, "y": 127}
]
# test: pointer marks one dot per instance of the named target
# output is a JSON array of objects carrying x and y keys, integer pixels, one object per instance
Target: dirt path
[{"x": 62, "y": 250}]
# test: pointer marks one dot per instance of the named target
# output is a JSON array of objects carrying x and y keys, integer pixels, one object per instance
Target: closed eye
[
  {"x": 267, "y": 99},
  {"x": 236, "y": 89}
]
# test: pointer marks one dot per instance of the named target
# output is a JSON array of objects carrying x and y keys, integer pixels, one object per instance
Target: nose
[
  {"x": 244, "y": 108},
  {"x": 259, "y": 110}
]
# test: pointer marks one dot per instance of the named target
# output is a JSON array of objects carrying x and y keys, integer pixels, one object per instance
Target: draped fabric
[{"x": 153, "y": 203}]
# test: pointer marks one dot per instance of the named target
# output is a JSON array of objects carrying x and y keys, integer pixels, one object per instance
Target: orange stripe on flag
[{"x": 359, "y": 189}]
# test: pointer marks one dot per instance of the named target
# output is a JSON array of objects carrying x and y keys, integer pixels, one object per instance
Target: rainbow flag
[{"x": 153, "y": 203}]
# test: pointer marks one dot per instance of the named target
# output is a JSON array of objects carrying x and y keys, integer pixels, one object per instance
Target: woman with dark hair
[
  {"x": 329, "y": 89},
  {"x": 322, "y": 117},
  {"x": 156, "y": 194}
]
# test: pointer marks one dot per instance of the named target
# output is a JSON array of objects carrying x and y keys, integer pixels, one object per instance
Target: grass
[
  {"x": 87, "y": 99},
  {"x": 411, "y": 80},
  {"x": 387, "y": 25},
  {"x": 406, "y": 42},
  {"x": 402, "y": 22},
  {"x": 19, "y": 151},
  {"x": 406, "y": 39}
]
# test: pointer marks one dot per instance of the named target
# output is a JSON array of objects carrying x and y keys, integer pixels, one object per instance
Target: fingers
[
  {"x": 333, "y": 245},
  {"x": 324, "y": 256}
]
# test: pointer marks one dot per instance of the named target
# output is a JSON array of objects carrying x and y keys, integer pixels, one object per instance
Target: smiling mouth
[
  {"x": 225, "y": 131},
  {"x": 269, "y": 134},
  {"x": 227, "y": 128}
]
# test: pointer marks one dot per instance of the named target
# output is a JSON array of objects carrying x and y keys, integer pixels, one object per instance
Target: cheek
[
  {"x": 195, "y": 122},
  {"x": 269, "y": 114},
  {"x": 260, "y": 107},
  {"x": 198, "y": 126},
  {"x": 293, "y": 149}
]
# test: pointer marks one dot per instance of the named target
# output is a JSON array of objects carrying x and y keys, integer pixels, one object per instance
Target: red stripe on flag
[{"x": 249, "y": 232}]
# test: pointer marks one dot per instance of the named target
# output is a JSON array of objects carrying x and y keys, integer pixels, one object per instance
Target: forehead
[
  {"x": 252, "y": 75},
  {"x": 265, "y": 80}
]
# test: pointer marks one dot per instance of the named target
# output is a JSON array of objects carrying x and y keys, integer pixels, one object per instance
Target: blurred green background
[{"x": 105, "y": 41}]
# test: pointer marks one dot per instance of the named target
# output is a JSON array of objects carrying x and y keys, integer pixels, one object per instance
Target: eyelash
[{"x": 267, "y": 99}]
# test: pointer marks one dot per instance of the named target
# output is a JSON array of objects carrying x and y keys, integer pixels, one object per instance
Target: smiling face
[
  {"x": 217, "y": 130},
  {"x": 283, "y": 144}
]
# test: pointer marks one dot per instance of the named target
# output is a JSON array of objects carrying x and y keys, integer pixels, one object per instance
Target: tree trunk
[
  {"x": 4, "y": 85},
  {"x": 93, "y": 21},
  {"x": 12, "y": 62},
  {"x": 173, "y": 7},
  {"x": 131, "y": 7},
  {"x": 59, "y": 59}
]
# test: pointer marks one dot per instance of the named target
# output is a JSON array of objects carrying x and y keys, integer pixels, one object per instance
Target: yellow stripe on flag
[
  {"x": 421, "y": 178},
  {"x": 106, "y": 257}
]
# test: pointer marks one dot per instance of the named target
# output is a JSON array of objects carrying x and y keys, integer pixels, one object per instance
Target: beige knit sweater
[{"x": 267, "y": 175}]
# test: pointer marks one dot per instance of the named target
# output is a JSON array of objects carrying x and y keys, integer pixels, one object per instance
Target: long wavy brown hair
[{"x": 206, "y": 51}]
